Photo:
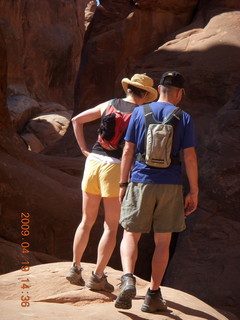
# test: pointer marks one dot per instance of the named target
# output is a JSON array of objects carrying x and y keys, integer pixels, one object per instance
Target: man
[
  {"x": 100, "y": 182},
  {"x": 153, "y": 198}
]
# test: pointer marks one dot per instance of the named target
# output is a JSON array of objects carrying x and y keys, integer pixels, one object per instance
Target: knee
[
  {"x": 85, "y": 225},
  {"x": 111, "y": 230}
]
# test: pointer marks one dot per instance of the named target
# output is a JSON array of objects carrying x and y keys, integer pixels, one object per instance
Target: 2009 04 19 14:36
[{"x": 25, "y": 283}]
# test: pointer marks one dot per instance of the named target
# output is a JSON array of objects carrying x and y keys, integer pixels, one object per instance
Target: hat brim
[{"x": 153, "y": 94}]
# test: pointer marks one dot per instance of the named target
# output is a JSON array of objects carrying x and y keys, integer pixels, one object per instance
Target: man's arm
[
  {"x": 190, "y": 160},
  {"x": 126, "y": 165},
  {"x": 84, "y": 117}
]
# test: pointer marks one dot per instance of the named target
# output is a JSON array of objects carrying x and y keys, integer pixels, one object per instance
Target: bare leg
[
  {"x": 90, "y": 206},
  {"x": 160, "y": 258},
  {"x": 129, "y": 251},
  {"x": 108, "y": 240},
  {"x": 129, "y": 254}
]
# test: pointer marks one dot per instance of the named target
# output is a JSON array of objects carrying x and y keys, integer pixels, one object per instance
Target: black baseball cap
[{"x": 173, "y": 79}]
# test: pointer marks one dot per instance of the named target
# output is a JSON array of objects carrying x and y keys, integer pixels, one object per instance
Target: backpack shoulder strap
[
  {"x": 110, "y": 104},
  {"x": 149, "y": 118},
  {"x": 173, "y": 117},
  {"x": 148, "y": 114},
  {"x": 113, "y": 102}
]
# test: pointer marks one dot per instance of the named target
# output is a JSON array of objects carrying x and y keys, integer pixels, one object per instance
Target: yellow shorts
[{"x": 101, "y": 178}]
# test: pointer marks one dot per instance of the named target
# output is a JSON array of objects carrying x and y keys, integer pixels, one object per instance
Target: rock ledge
[{"x": 52, "y": 297}]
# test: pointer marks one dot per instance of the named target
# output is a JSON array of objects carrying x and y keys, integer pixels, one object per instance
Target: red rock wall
[
  {"x": 4, "y": 115},
  {"x": 44, "y": 41},
  {"x": 120, "y": 34}
]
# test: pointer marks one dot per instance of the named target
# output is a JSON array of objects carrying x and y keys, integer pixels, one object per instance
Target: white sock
[
  {"x": 78, "y": 265},
  {"x": 98, "y": 276}
]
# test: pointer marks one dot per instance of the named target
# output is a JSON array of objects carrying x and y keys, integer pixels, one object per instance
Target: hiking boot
[
  {"x": 154, "y": 302},
  {"x": 127, "y": 292},
  {"x": 101, "y": 284},
  {"x": 75, "y": 276}
]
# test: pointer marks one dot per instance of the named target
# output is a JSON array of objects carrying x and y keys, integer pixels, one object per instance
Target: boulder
[{"x": 48, "y": 128}]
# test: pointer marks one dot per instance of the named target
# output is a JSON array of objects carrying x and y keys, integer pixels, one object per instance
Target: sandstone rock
[
  {"x": 39, "y": 124},
  {"x": 220, "y": 158},
  {"x": 44, "y": 41},
  {"x": 71, "y": 166},
  {"x": 32, "y": 142},
  {"x": 22, "y": 109},
  {"x": 51, "y": 296},
  {"x": 49, "y": 127},
  {"x": 11, "y": 257},
  {"x": 17, "y": 90},
  {"x": 121, "y": 35},
  {"x": 5, "y": 122},
  {"x": 89, "y": 12},
  {"x": 204, "y": 52},
  {"x": 51, "y": 107},
  {"x": 172, "y": 5},
  {"x": 52, "y": 197}
]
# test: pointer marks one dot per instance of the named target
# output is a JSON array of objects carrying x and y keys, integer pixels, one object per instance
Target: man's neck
[{"x": 166, "y": 101}]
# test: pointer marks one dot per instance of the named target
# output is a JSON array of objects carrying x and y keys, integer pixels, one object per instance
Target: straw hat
[{"x": 143, "y": 82}]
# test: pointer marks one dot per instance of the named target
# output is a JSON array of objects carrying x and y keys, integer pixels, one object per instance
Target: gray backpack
[{"x": 159, "y": 138}]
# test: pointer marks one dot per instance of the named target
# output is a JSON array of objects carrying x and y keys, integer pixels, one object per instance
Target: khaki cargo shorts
[{"x": 153, "y": 205}]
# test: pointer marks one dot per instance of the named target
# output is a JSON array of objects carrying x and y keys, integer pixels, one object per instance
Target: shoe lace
[{"x": 79, "y": 271}]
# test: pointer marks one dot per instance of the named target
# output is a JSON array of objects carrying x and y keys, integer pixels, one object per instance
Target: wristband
[{"x": 123, "y": 184}]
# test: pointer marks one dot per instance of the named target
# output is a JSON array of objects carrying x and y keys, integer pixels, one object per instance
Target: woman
[{"x": 101, "y": 181}]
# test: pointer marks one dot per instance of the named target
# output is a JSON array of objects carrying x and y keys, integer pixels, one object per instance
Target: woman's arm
[{"x": 84, "y": 117}]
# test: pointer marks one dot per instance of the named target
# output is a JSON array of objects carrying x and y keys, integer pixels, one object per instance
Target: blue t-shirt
[{"x": 184, "y": 137}]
